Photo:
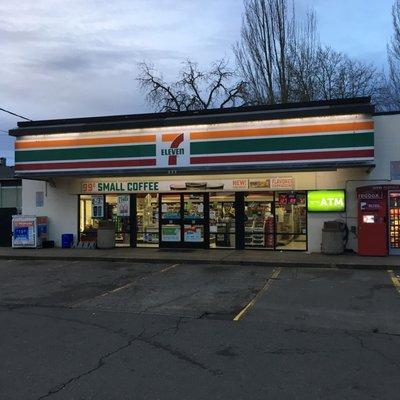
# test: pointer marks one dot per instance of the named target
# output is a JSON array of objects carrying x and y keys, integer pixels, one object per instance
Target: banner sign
[
  {"x": 326, "y": 201},
  {"x": 155, "y": 186}
]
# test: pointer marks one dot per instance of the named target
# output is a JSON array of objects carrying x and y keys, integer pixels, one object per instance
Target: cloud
[{"x": 69, "y": 58}]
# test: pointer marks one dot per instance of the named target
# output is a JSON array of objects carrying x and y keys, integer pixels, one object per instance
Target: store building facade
[{"x": 256, "y": 177}]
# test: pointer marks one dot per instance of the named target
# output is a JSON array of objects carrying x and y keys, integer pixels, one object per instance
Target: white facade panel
[{"x": 59, "y": 206}]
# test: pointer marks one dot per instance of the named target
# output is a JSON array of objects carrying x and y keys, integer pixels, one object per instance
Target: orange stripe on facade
[
  {"x": 169, "y": 137},
  {"x": 32, "y": 144},
  {"x": 288, "y": 130}
]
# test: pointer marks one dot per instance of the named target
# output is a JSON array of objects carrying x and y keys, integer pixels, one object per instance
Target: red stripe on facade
[
  {"x": 282, "y": 157},
  {"x": 86, "y": 164}
]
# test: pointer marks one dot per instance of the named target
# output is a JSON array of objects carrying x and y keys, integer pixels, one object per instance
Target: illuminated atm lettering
[{"x": 332, "y": 202}]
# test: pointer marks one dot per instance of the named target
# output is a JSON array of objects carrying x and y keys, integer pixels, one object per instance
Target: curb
[{"x": 287, "y": 264}]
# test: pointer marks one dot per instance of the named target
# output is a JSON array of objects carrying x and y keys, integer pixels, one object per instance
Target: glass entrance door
[
  {"x": 183, "y": 220},
  {"x": 170, "y": 220},
  {"x": 193, "y": 219}
]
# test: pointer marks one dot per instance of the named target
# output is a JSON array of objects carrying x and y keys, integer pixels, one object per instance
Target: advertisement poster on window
[
  {"x": 171, "y": 233},
  {"x": 97, "y": 206},
  {"x": 123, "y": 206},
  {"x": 193, "y": 234}
]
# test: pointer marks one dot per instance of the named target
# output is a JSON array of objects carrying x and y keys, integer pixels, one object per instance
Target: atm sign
[{"x": 326, "y": 201}]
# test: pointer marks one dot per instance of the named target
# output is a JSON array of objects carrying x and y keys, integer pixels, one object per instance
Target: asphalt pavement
[{"x": 118, "y": 330}]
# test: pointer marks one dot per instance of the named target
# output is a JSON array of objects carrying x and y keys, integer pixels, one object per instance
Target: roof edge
[{"x": 233, "y": 114}]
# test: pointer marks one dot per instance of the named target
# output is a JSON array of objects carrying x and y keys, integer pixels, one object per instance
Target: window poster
[{"x": 97, "y": 206}]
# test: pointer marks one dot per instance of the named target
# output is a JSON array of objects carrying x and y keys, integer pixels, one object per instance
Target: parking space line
[
  {"x": 134, "y": 282},
  {"x": 266, "y": 286},
  {"x": 395, "y": 280}
]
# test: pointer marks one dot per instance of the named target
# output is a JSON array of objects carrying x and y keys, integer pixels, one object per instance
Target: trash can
[
  {"x": 67, "y": 239},
  {"x": 106, "y": 235},
  {"x": 333, "y": 237}
]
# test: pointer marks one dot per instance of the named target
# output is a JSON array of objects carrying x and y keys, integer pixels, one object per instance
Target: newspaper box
[{"x": 29, "y": 231}]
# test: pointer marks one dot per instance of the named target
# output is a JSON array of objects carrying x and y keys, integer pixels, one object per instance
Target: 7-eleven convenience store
[{"x": 229, "y": 178}]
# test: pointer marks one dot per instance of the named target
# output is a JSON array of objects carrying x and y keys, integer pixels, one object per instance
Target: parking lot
[{"x": 118, "y": 330}]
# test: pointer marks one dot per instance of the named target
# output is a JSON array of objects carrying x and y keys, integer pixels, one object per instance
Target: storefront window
[
  {"x": 87, "y": 224},
  {"x": 147, "y": 220},
  {"x": 117, "y": 209},
  {"x": 291, "y": 221},
  {"x": 222, "y": 220},
  {"x": 259, "y": 220},
  {"x": 272, "y": 220}
]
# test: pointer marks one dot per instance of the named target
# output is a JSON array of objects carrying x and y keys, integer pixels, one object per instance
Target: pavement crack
[
  {"x": 119, "y": 332},
  {"x": 357, "y": 337},
  {"x": 100, "y": 363},
  {"x": 180, "y": 355},
  {"x": 296, "y": 351}
]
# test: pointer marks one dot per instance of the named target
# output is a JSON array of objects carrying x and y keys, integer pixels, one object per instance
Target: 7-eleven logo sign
[{"x": 172, "y": 150}]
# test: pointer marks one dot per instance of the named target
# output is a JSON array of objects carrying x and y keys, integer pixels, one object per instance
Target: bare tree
[
  {"x": 338, "y": 76},
  {"x": 303, "y": 60},
  {"x": 195, "y": 89},
  {"x": 265, "y": 54},
  {"x": 389, "y": 94},
  {"x": 282, "y": 59}
]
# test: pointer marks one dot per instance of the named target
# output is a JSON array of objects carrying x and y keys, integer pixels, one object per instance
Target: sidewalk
[{"x": 225, "y": 257}]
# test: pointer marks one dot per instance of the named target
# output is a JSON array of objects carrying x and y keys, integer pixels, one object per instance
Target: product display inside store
[
  {"x": 276, "y": 220},
  {"x": 291, "y": 221},
  {"x": 259, "y": 220},
  {"x": 222, "y": 220},
  {"x": 147, "y": 220}
]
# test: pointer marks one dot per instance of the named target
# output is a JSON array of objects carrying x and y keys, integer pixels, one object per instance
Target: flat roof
[{"x": 357, "y": 105}]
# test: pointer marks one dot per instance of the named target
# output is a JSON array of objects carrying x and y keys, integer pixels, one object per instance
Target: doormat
[{"x": 176, "y": 250}]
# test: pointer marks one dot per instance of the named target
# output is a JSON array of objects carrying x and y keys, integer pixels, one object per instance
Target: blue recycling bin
[{"x": 67, "y": 239}]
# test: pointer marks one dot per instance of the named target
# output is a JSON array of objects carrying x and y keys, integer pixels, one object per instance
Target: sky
[{"x": 76, "y": 58}]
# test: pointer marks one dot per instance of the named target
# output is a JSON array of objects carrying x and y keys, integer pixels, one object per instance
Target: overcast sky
[{"x": 70, "y": 58}]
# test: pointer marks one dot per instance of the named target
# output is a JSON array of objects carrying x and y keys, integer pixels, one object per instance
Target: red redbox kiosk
[{"x": 372, "y": 220}]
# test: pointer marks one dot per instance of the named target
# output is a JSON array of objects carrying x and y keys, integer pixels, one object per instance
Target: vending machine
[
  {"x": 394, "y": 222},
  {"x": 372, "y": 221}
]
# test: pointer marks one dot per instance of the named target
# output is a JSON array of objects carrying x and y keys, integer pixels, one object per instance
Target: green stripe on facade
[
  {"x": 325, "y": 141},
  {"x": 90, "y": 153}
]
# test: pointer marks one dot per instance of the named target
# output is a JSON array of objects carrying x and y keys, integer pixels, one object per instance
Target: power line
[
  {"x": 1, "y": 130},
  {"x": 17, "y": 115}
]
